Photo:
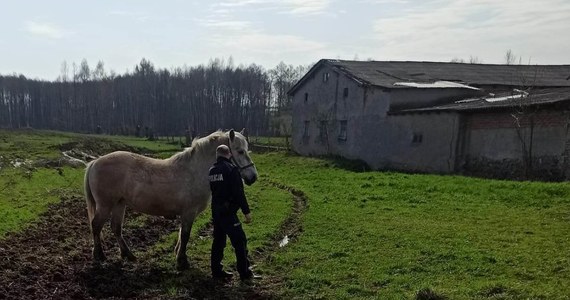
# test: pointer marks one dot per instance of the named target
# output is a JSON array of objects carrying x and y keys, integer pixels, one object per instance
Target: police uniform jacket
[{"x": 227, "y": 189}]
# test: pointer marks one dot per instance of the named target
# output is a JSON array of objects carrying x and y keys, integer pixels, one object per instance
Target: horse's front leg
[{"x": 183, "y": 238}]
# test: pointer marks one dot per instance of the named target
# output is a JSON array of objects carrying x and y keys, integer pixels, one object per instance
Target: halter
[{"x": 236, "y": 163}]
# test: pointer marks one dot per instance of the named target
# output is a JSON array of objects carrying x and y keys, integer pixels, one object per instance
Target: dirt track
[{"x": 52, "y": 260}]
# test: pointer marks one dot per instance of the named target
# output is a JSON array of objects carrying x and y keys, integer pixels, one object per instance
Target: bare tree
[
  {"x": 510, "y": 57},
  {"x": 523, "y": 114},
  {"x": 475, "y": 60},
  {"x": 84, "y": 71},
  {"x": 64, "y": 72},
  {"x": 99, "y": 72}
]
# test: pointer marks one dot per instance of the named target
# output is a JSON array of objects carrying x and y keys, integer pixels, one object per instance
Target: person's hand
[{"x": 248, "y": 218}]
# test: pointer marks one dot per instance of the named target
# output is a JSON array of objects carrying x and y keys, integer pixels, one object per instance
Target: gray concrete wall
[
  {"x": 494, "y": 149},
  {"x": 418, "y": 142},
  {"x": 380, "y": 140},
  {"x": 327, "y": 103},
  {"x": 494, "y": 135}
]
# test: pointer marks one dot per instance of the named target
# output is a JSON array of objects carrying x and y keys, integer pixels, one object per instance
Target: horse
[{"x": 176, "y": 186}]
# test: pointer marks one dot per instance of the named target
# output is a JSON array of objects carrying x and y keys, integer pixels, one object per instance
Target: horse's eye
[{"x": 241, "y": 152}]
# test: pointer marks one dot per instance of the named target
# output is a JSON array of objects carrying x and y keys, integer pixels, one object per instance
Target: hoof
[
  {"x": 98, "y": 256},
  {"x": 182, "y": 265}
]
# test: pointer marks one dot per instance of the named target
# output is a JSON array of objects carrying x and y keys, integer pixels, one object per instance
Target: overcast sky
[{"x": 37, "y": 36}]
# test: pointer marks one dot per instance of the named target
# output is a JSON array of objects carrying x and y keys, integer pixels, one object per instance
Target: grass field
[
  {"x": 390, "y": 235},
  {"x": 377, "y": 235}
]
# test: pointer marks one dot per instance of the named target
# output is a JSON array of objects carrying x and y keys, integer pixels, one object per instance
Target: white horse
[{"x": 177, "y": 186}]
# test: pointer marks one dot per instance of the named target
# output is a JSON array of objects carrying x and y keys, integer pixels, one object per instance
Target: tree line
[{"x": 151, "y": 101}]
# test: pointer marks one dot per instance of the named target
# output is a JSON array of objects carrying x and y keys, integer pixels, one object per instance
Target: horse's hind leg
[
  {"x": 101, "y": 216},
  {"x": 183, "y": 237},
  {"x": 117, "y": 218}
]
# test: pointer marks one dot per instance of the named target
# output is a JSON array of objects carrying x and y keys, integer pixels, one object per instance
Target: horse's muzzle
[{"x": 250, "y": 181}]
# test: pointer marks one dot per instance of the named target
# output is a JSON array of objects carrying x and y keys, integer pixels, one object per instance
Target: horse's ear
[
  {"x": 242, "y": 131},
  {"x": 232, "y": 135}
]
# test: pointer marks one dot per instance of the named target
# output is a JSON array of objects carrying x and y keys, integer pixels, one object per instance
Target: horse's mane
[{"x": 199, "y": 145}]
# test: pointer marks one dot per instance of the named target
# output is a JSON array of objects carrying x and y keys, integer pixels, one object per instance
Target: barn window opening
[
  {"x": 306, "y": 97},
  {"x": 342, "y": 131},
  {"x": 306, "y": 130},
  {"x": 417, "y": 138},
  {"x": 326, "y": 76},
  {"x": 323, "y": 131},
  {"x": 345, "y": 93}
]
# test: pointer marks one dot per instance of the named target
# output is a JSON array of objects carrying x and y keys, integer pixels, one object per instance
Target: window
[
  {"x": 306, "y": 97},
  {"x": 306, "y": 130},
  {"x": 342, "y": 132},
  {"x": 323, "y": 131},
  {"x": 345, "y": 93},
  {"x": 417, "y": 138},
  {"x": 326, "y": 76}
]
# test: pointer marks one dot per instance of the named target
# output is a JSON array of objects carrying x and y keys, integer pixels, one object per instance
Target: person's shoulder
[
  {"x": 215, "y": 167},
  {"x": 212, "y": 169},
  {"x": 229, "y": 165}
]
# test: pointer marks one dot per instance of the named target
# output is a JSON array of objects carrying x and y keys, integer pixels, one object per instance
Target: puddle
[{"x": 284, "y": 241}]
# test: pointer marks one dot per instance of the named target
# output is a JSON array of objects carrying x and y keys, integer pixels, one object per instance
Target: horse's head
[{"x": 240, "y": 157}]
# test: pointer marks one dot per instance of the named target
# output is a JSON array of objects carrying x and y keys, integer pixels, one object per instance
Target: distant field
[{"x": 376, "y": 235}]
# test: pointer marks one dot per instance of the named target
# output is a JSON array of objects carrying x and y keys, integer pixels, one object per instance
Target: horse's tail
[{"x": 88, "y": 195}]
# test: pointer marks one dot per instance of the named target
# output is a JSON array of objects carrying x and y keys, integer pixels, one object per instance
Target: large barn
[{"x": 507, "y": 121}]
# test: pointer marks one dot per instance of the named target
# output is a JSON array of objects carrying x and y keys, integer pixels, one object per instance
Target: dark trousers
[{"x": 229, "y": 226}]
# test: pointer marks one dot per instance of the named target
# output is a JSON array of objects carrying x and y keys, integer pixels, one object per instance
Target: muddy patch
[
  {"x": 82, "y": 150},
  {"x": 52, "y": 260},
  {"x": 89, "y": 148}
]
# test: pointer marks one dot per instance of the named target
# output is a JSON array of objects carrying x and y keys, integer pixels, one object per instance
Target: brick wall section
[
  {"x": 546, "y": 168},
  {"x": 506, "y": 120}
]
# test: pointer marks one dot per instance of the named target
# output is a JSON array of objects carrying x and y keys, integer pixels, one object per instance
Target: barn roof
[
  {"x": 395, "y": 74},
  {"x": 500, "y": 101}
]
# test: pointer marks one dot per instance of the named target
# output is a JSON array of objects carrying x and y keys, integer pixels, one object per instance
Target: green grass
[
  {"x": 377, "y": 235},
  {"x": 390, "y": 235},
  {"x": 25, "y": 194},
  {"x": 31, "y": 144},
  {"x": 269, "y": 206},
  {"x": 25, "y": 191}
]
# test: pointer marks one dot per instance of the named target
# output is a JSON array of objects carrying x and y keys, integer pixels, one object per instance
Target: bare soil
[{"x": 52, "y": 260}]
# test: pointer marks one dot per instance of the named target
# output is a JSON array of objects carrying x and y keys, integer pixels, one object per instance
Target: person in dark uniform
[{"x": 227, "y": 198}]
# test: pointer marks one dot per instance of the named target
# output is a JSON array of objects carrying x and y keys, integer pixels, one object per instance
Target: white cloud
[
  {"x": 240, "y": 3},
  {"x": 228, "y": 25},
  {"x": 384, "y": 1},
  {"x": 445, "y": 29},
  {"x": 45, "y": 30},
  {"x": 295, "y": 7},
  {"x": 263, "y": 43},
  {"x": 308, "y": 7},
  {"x": 135, "y": 15}
]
